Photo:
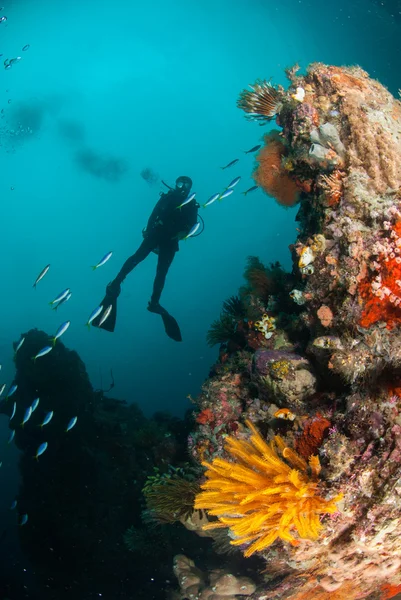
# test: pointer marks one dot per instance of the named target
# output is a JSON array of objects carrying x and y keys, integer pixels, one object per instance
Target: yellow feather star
[{"x": 266, "y": 492}]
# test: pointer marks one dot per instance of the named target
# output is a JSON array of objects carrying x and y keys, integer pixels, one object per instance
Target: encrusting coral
[{"x": 264, "y": 493}]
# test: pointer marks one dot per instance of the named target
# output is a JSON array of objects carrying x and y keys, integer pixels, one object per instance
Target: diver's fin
[
  {"x": 170, "y": 324},
  {"x": 171, "y": 327},
  {"x": 110, "y": 323}
]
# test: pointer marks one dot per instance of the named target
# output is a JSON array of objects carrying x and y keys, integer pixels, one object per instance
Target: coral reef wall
[{"x": 325, "y": 375}]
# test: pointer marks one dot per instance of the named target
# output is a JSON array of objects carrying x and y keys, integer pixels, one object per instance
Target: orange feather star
[{"x": 265, "y": 493}]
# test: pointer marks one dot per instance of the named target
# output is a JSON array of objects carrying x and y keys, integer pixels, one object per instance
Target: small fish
[
  {"x": 95, "y": 313},
  {"x": 233, "y": 183},
  {"x": 11, "y": 437},
  {"x": 11, "y": 391},
  {"x": 251, "y": 189},
  {"x": 42, "y": 448},
  {"x": 71, "y": 423},
  {"x": 56, "y": 306},
  {"x": 60, "y": 297},
  {"x": 103, "y": 261},
  {"x": 62, "y": 329},
  {"x": 47, "y": 418},
  {"x": 211, "y": 200},
  {"x": 19, "y": 345},
  {"x": 230, "y": 164},
  {"x": 225, "y": 194},
  {"x": 193, "y": 231},
  {"x": 27, "y": 416},
  {"x": 13, "y": 505},
  {"x": 253, "y": 149},
  {"x": 2, "y": 388},
  {"x": 187, "y": 200},
  {"x": 13, "y": 411},
  {"x": 41, "y": 275},
  {"x": 35, "y": 404},
  {"x": 105, "y": 315},
  {"x": 26, "y": 47},
  {"x": 24, "y": 520},
  {"x": 15, "y": 60},
  {"x": 42, "y": 352}
]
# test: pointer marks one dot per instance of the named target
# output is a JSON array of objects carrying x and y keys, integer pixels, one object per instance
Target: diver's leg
[
  {"x": 166, "y": 256},
  {"x": 143, "y": 252}
]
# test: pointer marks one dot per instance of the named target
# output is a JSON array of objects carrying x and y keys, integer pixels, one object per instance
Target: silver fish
[
  {"x": 42, "y": 352},
  {"x": 62, "y": 329},
  {"x": 103, "y": 261},
  {"x": 105, "y": 315},
  {"x": 35, "y": 404},
  {"x": 230, "y": 164},
  {"x": 253, "y": 149},
  {"x": 24, "y": 520},
  {"x": 27, "y": 416},
  {"x": 56, "y": 306},
  {"x": 60, "y": 297},
  {"x": 13, "y": 411},
  {"x": 11, "y": 437},
  {"x": 19, "y": 345},
  {"x": 225, "y": 194},
  {"x": 95, "y": 313},
  {"x": 251, "y": 189},
  {"x": 187, "y": 200},
  {"x": 233, "y": 183},
  {"x": 211, "y": 200},
  {"x": 193, "y": 231},
  {"x": 72, "y": 422},
  {"x": 41, "y": 275},
  {"x": 42, "y": 448},
  {"x": 47, "y": 418},
  {"x": 11, "y": 391}
]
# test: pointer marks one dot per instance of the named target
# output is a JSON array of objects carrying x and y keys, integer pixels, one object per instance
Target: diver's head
[{"x": 183, "y": 184}]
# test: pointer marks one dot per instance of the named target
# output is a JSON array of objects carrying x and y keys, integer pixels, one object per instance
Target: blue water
[{"x": 150, "y": 84}]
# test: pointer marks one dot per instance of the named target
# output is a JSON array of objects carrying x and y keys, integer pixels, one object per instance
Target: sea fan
[{"x": 271, "y": 176}]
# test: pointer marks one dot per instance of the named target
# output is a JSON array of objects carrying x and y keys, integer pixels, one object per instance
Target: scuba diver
[{"x": 172, "y": 219}]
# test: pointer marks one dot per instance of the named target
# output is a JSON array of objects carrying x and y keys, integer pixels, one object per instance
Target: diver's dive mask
[{"x": 183, "y": 184}]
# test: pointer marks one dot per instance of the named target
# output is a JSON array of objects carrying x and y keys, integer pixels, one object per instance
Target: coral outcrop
[{"x": 327, "y": 381}]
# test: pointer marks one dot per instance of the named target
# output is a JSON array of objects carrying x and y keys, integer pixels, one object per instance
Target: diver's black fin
[
  {"x": 110, "y": 322},
  {"x": 171, "y": 327},
  {"x": 170, "y": 324}
]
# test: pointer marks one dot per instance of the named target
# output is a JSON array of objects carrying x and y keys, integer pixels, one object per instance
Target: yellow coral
[
  {"x": 280, "y": 369},
  {"x": 262, "y": 497}
]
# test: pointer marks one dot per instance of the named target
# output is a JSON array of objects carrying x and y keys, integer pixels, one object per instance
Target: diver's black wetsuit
[{"x": 166, "y": 225}]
